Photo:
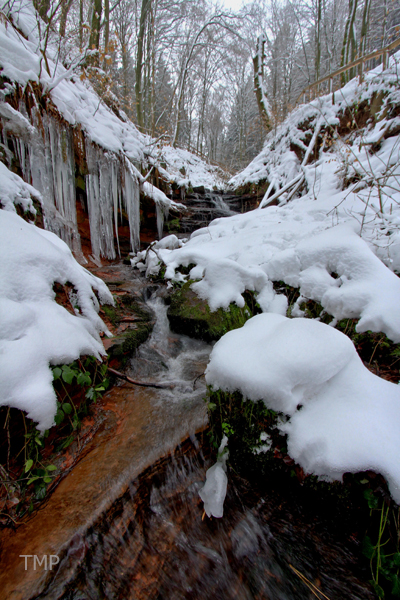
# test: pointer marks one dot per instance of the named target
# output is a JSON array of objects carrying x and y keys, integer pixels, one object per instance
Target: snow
[
  {"x": 341, "y": 417},
  {"x": 35, "y": 331},
  {"x": 337, "y": 240},
  {"x": 13, "y": 190},
  {"x": 214, "y": 490},
  {"x": 337, "y": 243}
]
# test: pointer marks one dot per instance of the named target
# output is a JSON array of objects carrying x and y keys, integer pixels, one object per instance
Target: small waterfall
[{"x": 221, "y": 207}]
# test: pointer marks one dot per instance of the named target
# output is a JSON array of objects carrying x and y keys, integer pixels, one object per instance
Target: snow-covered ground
[{"x": 335, "y": 235}]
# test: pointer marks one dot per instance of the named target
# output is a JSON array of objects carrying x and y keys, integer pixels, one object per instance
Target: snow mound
[
  {"x": 35, "y": 331},
  {"x": 13, "y": 190},
  {"x": 341, "y": 417}
]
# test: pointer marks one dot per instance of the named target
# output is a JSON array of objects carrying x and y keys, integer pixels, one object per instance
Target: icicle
[
  {"x": 132, "y": 205},
  {"x": 101, "y": 196},
  {"x": 162, "y": 211},
  {"x": 48, "y": 163},
  {"x": 114, "y": 185}
]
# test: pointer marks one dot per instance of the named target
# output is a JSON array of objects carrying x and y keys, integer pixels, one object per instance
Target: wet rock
[{"x": 190, "y": 315}]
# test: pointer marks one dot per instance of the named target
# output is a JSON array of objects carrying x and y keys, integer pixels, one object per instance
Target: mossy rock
[
  {"x": 125, "y": 344},
  {"x": 190, "y": 315}
]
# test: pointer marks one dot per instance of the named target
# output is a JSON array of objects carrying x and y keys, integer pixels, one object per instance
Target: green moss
[
  {"x": 190, "y": 315},
  {"x": 110, "y": 313},
  {"x": 173, "y": 225},
  {"x": 135, "y": 337}
]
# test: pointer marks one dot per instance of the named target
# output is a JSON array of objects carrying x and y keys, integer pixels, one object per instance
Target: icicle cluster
[
  {"x": 110, "y": 187},
  {"x": 46, "y": 158},
  {"x": 46, "y": 155}
]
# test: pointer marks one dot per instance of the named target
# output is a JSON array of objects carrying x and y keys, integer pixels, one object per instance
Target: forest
[{"x": 199, "y": 299}]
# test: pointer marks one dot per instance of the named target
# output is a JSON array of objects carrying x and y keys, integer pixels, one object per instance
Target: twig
[
  {"x": 316, "y": 591},
  {"x": 198, "y": 377},
  {"x": 141, "y": 383}
]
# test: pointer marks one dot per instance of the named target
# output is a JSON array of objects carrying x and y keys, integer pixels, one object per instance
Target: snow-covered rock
[{"x": 341, "y": 417}]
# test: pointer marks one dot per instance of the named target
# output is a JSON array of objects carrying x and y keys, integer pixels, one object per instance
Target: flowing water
[{"x": 146, "y": 537}]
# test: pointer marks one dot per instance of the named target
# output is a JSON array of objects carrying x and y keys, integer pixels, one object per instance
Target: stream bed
[{"x": 127, "y": 521}]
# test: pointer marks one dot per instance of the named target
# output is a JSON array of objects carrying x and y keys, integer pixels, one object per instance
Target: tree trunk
[
  {"x": 94, "y": 40},
  {"x": 262, "y": 101},
  {"x": 146, "y": 4},
  {"x": 65, "y": 7}
]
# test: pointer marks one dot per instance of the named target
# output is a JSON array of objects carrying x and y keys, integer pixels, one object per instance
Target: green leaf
[
  {"x": 51, "y": 468},
  {"x": 28, "y": 465},
  {"x": 40, "y": 492},
  {"x": 56, "y": 373},
  {"x": 67, "y": 442},
  {"x": 38, "y": 441},
  {"x": 68, "y": 376},
  {"x": 47, "y": 479},
  {"x": 371, "y": 499},
  {"x": 67, "y": 408},
  {"x": 32, "y": 479},
  {"x": 100, "y": 388},
  {"x": 378, "y": 590},
  {"x": 59, "y": 417},
  {"x": 90, "y": 393},
  {"x": 84, "y": 379},
  {"x": 212, "y": 406},
  {"x": 396, "y": 586}
]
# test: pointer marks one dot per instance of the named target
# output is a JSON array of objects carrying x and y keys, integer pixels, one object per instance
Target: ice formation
[
  {"x": 35, "y": 331},
  {"x": 114, "y": 149},
  {"x": 214, "y": 490},
  {"x": 341, "y": 417}
]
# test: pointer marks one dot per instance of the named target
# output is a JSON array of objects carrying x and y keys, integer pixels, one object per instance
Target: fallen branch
[
  {"x": 267, "y": 201},
  {"x": 299, "y": 177},
  {"x": 141, "y": 383}
]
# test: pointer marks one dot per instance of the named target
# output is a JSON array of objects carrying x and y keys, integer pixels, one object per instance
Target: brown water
[{"x": 127, "y": 520}]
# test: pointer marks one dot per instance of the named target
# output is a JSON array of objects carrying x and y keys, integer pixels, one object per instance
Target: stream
[{"x": 127, "y": 522}]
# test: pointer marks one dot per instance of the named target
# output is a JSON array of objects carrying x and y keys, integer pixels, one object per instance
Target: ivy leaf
[
  {"x": 84, "y": 379},
  {"x": 371, "y": 499},
  {"x": 40, "y": 492},
  {"x": 32, "y": 479},
  {"x": 90, "y": 393},
  {"x": 47, "y": 479},
  {"x": 51, "y": 468},
  {"x": 28, "y": 465},
  {"x": 396, "y": 586},
  {"x": 68, "y": 374},
  {"x": 59, "y": 416},
  {"x": 56, "y": 373},
  {"x": 67, "y": 408}
]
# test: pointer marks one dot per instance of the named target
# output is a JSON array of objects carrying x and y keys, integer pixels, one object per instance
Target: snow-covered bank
[
  {"x": 340, "y": 417},
  {"x": 35, "y": 331},
  {"x": 334, "y": 235}
]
